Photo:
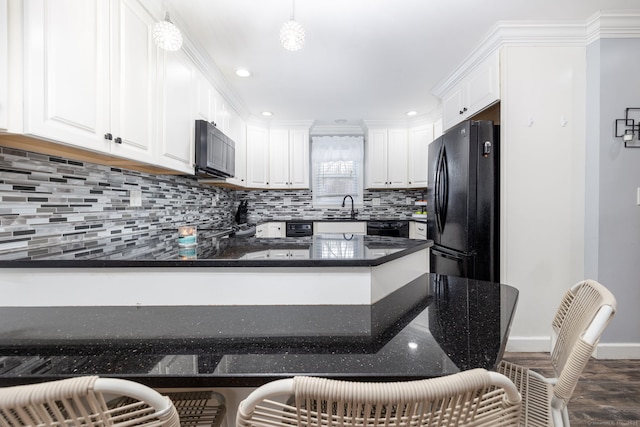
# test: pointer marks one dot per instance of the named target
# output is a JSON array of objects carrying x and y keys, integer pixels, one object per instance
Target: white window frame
[{"x": 337, "y": 170}]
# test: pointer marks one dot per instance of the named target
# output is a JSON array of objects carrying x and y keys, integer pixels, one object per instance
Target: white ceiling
[{"x": 362, "y": 59}]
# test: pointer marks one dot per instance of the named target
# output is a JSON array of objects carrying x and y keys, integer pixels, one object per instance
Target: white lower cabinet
[
  {"x": 340, "y": 227},
  {"x": 417, "y": 230},
  {"x": 271, "y": 229},
  {"x": 89, "y": 75}
]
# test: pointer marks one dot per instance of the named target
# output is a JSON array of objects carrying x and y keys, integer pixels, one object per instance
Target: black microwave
[{"x": 215, "y": 151}]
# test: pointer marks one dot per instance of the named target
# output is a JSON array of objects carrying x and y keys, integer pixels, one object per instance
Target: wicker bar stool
[
  {"x": 471, "y": 398},
  {"x": 585, "y": 311}
]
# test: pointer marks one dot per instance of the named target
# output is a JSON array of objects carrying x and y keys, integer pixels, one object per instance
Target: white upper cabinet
[
  {"x": 133, "y": 80},
  {"x": 288, "y": 158},
  {"x": 386, "y": 158},
  {"x": 257, "y": 157},
  {"x": 476, "y": 91},
  {"x": 176, "y": 129},
  {"x": 4, "y": 65},
  {"x": 419, "y": 139},
  {"x": 90, "y": 75}
]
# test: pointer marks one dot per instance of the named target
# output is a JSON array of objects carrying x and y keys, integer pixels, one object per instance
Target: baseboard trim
[
  {"x": 603, "y": 351},
  {"x": 528, "y": 344},
  {"x": 617, "y": 351}
]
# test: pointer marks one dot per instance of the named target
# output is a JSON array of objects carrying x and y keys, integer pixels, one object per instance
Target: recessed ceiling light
[
  {"x": 411, "y": 113},
  {"x": 243, "y": 72},
  {"x": 340, "y": 121},
  {"x": 267, "y": 113}
]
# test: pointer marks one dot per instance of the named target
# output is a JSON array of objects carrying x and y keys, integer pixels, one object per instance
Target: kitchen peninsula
[
  {"x": 434, "y": 326},
  {"x": 152, "y": 268}
]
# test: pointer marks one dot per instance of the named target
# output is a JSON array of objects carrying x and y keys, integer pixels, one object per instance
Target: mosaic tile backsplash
[{"x": 53, "y": 205}]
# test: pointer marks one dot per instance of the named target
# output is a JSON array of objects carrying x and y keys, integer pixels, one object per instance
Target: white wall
[
  {"x": 542, "y": 183},
  {"x": 613, "y": 223}
]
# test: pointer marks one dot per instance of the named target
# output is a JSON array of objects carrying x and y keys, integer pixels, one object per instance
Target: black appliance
[
  {"x": 463, "y": 217},
  {"x": 299, "y": 229},
  {"x": 215, "y": 152},
  {"x": 388, "y": 228},
  {"x": 241, "y": 213}
]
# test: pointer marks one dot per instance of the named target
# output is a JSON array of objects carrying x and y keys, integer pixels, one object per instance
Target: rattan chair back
[
  {"x": 471, "y": 398},
  {"x": 86, "y": 401},
  {"x": 572, "y": 351}
]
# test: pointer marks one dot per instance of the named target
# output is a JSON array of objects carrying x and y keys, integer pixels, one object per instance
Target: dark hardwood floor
[{"x": 608, "y": 393}]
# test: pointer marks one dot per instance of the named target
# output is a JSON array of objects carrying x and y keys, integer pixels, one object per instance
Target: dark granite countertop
[
  {"x": 434, "y": 326},
  {"x": 214, "y": 248}
]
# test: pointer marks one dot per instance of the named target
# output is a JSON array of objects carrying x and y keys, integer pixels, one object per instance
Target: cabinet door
[
  {"x": 257, "y": 157},
  {"x": 483, "y": 85},
  {"x": 204, "y": 101},
  {"x": 238, "y": 133},
  {"x": 419, "y": 140},
  {"x": 177, "y": 125},
  {"x": 133, "y": 81},
  {"x": 299, "y": 158},
  {"x": 377, "y": 159},
  {"x": 278, "y": 158},
  {"x": 452, "y": 107},
  {"x": 397, "y": 158},
  {"x": 66, "y": 71},
  {"x": 4, "y": 65}
]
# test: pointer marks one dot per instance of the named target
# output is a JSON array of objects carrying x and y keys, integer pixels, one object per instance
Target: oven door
[{"x": 451, "y": 263}]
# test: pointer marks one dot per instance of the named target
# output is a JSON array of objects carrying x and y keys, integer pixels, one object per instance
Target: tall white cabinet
[{"x": 90, "y": 70}]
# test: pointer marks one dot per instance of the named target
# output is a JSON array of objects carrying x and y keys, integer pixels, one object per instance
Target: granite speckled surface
[
  {"x": 434, "y": 326},
  {"x": 161, "y": 248}
]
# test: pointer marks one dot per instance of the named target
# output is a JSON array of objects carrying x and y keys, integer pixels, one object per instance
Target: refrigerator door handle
[
  {"x": 437, "y": 190},
  {"x": 441, "y": 190}
]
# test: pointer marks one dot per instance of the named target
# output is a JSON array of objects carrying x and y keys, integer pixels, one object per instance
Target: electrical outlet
[
  {"x": 409, "y": 201},
  {"x": 287, "y": 201},
  {"x": 214, "y": 201},
  {"x": 638, "y": 196},
  {"x": 135, "y": 198},
  {"x": 376, "y": 201}
]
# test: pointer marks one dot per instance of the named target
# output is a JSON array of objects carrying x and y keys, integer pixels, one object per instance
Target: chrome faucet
[{"x": 353, "y": 212}]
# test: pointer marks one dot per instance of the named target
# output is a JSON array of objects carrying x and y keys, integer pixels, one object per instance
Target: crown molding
[
  {"x": 604, "y": 24},
  {"x": 611, "y": 24}
]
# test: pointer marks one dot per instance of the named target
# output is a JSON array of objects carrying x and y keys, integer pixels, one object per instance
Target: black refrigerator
[{"x": 463, "y": 197}]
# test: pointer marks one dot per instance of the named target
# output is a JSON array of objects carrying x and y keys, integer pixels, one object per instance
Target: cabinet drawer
[{"x": 337, "y": 227}]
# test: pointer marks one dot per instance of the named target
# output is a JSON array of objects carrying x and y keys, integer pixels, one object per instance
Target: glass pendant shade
[
  {"x": 166, "y": 35},
  {"x": 292, "y": 35}
]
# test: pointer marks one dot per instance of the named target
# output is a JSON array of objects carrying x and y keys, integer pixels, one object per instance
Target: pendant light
[
  {"x": 166, "y": 35},
  {"x": 292, "y": 33}
]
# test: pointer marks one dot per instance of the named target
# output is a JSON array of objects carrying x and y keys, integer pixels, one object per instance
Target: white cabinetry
[
  {"x": 288, "y": 158},
  {"x": 418, "y": 152},
  {"x": 89, "y": 77},
  {"x": 386, "y": 158},
  {"x": 477, "y": 90},
  {"x": 176, "y": 131},
  {"x": 271, "y": 229},
  {"x": 339, "y": 227},
  {"x": 4, "y": 65},
  {"x": 257, "y": 157},
  {"x": 417, "y": 230}
]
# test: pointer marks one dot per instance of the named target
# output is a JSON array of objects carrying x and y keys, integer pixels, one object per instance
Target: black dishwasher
[
  {"x": 391, "y": 228},
  {"x": 299, "y": 228}
]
